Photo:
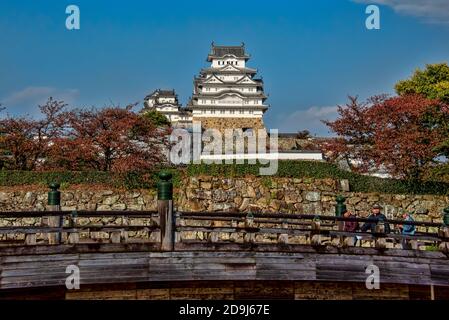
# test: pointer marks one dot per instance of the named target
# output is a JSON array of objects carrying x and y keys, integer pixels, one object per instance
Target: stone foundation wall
[
  {"x": 288, "y": 143},
  {"x": 255, "y": 194},
  {"x": 231, "y": 290},
  {"x": 288, "y": 195},
  {"x": 230, "y": 123},
  {"x": 227, "y": 290},
  {"x": 100, "y": 200}
]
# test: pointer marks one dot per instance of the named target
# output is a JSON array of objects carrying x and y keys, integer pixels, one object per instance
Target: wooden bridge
[
  {"x": 178, "y": 255},
  {"x": 212, "y": 248}
]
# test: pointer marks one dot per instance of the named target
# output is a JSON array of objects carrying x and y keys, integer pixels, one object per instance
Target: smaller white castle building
[{"x": 166, "y": 102}]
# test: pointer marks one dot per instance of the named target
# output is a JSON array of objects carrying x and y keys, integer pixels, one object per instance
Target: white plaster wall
[{"x": 265, "y": 156}]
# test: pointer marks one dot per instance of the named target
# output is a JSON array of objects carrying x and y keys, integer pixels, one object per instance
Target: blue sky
[{"x": 311, "y": 54}]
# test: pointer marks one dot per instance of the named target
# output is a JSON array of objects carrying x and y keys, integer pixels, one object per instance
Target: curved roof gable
[{"x": 213, "y": 78}]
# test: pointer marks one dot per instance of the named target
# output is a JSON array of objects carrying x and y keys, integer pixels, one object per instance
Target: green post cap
[
  {"x": 340, "y": 207},
  {"x": 54, "y": 195},
  {"x": 165, "y": 175},
  {"x": 446, "y": 216},
  {"x": 165, "y": 186}
]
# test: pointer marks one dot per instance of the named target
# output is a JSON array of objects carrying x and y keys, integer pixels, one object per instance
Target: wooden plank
[
  {"x": 326, "y": 264},
  {"x": 38, "y": 258}
]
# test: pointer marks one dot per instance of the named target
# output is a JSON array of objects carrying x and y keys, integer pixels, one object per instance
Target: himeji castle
[{"x": 227, "y": 94}]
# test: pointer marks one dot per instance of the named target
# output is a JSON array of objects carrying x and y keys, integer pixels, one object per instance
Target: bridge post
[
  {"x": 283, "y": 237},
  {"x": 165, "y": 210},
  {"x": 54, "y": 204},
  {"x": 73, "y": 237},
  {"x": 444, "y": 231},
  {"x": 249, "y": 236},
  {"x": 315, "y": 236}
]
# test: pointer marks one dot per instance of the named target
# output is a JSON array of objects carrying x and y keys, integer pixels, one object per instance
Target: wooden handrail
[
  {"x": 281, "y": 224},
  {"x": 205, "y": 216},
  {"x": 81, "y": 213},
  {"x": 212, "y": 215}
]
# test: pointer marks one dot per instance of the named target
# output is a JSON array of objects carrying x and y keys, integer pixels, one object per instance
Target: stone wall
[
  {"x": 230, "y": 123},
  {"x": 309, "y": 196},
  {"x": 228, "y": 290},
  {"x": 75, "y": 199},
  {"x": 206, "y": 193},
  {"x": 292, "y": 143}
]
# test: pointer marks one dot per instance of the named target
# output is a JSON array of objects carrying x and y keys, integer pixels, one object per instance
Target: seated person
[
  {"x": 376, "y": 216},
  {"x": 350, "y": 226},
  {"x": 408, "y": 229}
]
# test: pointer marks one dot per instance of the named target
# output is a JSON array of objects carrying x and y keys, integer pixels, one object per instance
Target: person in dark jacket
[
  {"x": 376, "y": 216},
  {"x": 350, "y": 226}
]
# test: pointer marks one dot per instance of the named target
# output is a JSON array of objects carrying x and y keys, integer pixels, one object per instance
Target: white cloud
[
  {"x": 25, "y": 101},
  {"x": 433, "y": 11},
  {"x": 307, "y": 119}
]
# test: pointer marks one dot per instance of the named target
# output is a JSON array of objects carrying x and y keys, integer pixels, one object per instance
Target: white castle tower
[{"x": 227, "y": 94}]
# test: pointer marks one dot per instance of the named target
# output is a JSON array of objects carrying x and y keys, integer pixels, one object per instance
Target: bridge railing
[
  {"x": 78, "y": 227},
  {"x": 168, "y": 228},
  {"x": 211, "y": 227},
  {"x": 219, "y": 227}
]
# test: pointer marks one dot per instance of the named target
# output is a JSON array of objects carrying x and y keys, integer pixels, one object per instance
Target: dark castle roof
[
  {"x": 159, "y": 93},
  {"x": 164, "y": 93},
  {"x": 221, "y": 51}
]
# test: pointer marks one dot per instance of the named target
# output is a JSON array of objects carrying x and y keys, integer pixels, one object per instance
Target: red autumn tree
[
  {"x": 109, "y": 139},
  {"x": 396, "y": 134},
  {"x": 25, "y": 142}
]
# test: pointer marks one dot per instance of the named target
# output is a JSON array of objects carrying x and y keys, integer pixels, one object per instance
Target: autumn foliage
[
  {"x": 397, "y": 134},
  {"x": 110, "y": 139}
]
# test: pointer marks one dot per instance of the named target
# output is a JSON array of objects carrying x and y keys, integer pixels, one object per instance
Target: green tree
[
  {"x": 432, "y": 82},
  {"x": 157, "y": 118}
]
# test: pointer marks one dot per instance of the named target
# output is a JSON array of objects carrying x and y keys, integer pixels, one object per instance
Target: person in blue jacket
[{"x": 408, "y": 229}]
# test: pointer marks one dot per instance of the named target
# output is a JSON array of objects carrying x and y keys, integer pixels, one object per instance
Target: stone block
[{"x": 313, "y": 196}]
